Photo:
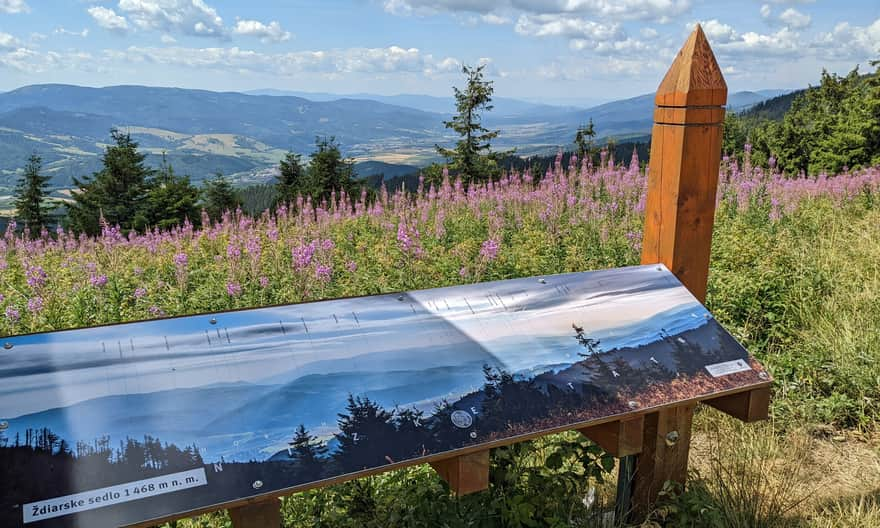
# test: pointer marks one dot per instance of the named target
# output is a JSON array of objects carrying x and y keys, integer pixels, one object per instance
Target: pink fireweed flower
[
  {"x": 302, "y": 255},
  {"x": 36, "y": 276},
  {"x": 98, "y": 280},
  {"x": 233, "y": 289},
  {"x": 352, "y": 266},
  {"x": 12, "y": 314},
  {"x": 323, "y": 273},
  {"x": 489, "y": 250},
  {"x": 264, "y": 282},
  {"x": 156, "y": 311},
  {"x": 181, "y": 260},
  {"x": 140, "y": 293},
  {"x": 35, "y": 305},
  {"x": 327, "y": 245}
]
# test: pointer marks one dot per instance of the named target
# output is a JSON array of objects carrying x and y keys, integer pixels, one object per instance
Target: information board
[{"x": 123, "y": 424}]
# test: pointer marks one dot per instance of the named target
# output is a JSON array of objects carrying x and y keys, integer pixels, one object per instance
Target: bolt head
[
  {"x": 257, "y": 484},
  {"x": 672, "y": 438},
  {"x": 213, "y": 320},
  {"x": 473, "y": 434},
  {"x": 633, "y": 404},
  {"x": 7, "y": 345},
  {"x": 542, "y": 281}
]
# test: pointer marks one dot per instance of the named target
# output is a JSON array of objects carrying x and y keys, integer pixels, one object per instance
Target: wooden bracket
[
  {"x": 749, "y": 406},
  {"x": 258, "y": 515},
  {"x": 664, "y": 456},
  {"x": 466, "y": 473},
  {"x": 620, "y": 438}
]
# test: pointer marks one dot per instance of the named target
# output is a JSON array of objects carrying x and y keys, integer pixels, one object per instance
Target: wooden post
[
  {"x": 258, "y": 515},
  {"x": 465, "y": 474},
  {"x": 685, "y": 159},
  {"x": 679, "y": 215}
]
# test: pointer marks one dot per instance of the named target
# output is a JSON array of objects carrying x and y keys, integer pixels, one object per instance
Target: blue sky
[{"x": 576, "y": 50}]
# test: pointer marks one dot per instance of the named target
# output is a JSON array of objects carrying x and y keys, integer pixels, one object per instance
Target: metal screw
[
  {"x": 7, "y": 345},
  {"x": 633, "y": 404},
  {"x": 400, "y": 297},
  {"x": 542, "y": 281},
  {"x": 473, "y": 434},
  {"x": 213, "y": 320},
  {"x": 659, "y": 268},
  {"x": 4, "y": 425},
  {"x": 763, "y": 375},
  {"x": 257, "y": 484},
  {"x": 672, "y": 438}
]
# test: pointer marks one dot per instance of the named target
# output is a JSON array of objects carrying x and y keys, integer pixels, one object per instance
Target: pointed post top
[{"x": 694, "y": 79}]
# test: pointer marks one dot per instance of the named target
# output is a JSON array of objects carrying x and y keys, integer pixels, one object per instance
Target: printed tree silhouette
[
  {"x": 366, "y": 435},
  {"x": 308, "y": 452}
]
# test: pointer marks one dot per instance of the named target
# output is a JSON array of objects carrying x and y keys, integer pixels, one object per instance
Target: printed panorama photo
[{"x": 127, "y": 423}]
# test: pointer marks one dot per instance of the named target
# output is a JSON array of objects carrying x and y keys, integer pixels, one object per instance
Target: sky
[
  {"x": 494, "y": 323},
  {"x": 549, "y": 50}
]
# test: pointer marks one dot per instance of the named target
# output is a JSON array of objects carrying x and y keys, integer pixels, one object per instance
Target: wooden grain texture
[
  {"x": 620, "y": 438},
  {"x": 679, "y": 216},
  {"x": 259, "y": 515},
  {"x": 750, "y": 406},
  {"x": 685, "y": 158},
  {"x": 465, "y": 474},
  {"x": 664, "y": 455}
]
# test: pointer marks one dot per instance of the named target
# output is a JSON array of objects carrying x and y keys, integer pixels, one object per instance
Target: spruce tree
[
  {"x": 219, "y": 196},
  {"x": 291, "y": 180},
  {"x": 171, "y": 199},
  {"x": 308, "y": 452},
  {"x": 116, "y": 193},
  {"x": 30, "y": 195},
  {"x": 472, "y": 158},
  {"x": 584, "y": 140},
  {"x": 330, "y": 172}
]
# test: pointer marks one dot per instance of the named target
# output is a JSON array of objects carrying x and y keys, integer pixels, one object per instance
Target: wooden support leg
[
  {"x": 260, "y": 515},
  {"x": 749, "y": 406},
  {"x": 466, "y": 473},
  {"x": 664, "y": 455},
  {"x": 620, "y": 438}
]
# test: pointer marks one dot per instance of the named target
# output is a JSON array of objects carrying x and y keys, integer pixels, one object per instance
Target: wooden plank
[
  {"x": 259, "y": 515},
  {"x": 619, "y": 438},
  {"x": 664, "y": 455},
  {"x": 748, "y": 406},
  {"x": 465, "y": 474}
]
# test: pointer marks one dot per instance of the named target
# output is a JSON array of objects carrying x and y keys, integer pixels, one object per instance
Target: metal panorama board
[{"x": 129, "y": 423}]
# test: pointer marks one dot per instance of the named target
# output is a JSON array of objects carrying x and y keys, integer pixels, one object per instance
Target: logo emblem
[{"x": 462, "y": 419}]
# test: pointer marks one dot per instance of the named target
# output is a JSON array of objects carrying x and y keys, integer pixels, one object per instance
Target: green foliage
[
  {"x": 30, "y": 196},
  {"x": 472, "y": 158},
  {"x": 258, "y": 198},
  {"x": 116, "y": 193},
  {"x": 291, "y": 179},
  {"x": 828, "y": 128},
  {"x": 171, "y": 199},
  {"x": 329, "y": 172},
  {"x": 583, "y": 139},
  {"x": 219, "y": 196}
]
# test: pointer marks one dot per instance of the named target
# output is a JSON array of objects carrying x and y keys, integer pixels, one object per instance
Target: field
[{"x": 795, "y": 276}]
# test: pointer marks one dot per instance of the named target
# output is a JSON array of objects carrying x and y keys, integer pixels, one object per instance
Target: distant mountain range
[{"x": 244, "y": 135}]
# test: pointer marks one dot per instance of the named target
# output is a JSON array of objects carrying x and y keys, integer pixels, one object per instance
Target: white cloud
[
  {"x": 495, "y": 20},
  {"x": 14, "y": 6},
  {"x": 848, "y": 42},
  {"x": 784, "y": 42},
  {"x": 8, "y": 42},
  {"x": 766, "y": 11},
  {"x": 167, "y": 39},
  {"x": 658, "y": 10},
  {"x": 566, "y": 26},
  {"x": 60, "y": 30},
  {"x": 108, "y": 19},
  {"x": 648, "y": 32},
  {"x": 716, "y": 31},
  {"x": 188, "y": 17},
  {"x": 380, "y": 61},
  {"x": 33, "y": 62},
  {"x": 267, "y": 33},
  {"x": 794, "y": 19}
]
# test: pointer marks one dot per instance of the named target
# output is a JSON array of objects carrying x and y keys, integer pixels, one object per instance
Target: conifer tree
[
  {"x": 584, "y": 140},
  {"x": 116, "y": 193},
  {"x": 472, "y": 158},
  {"x": 308, "y": 452},
  {"x": 30, "y": 196},
  {"x": 329, "y": 172},
  {"x": 219, "y": 196},
  {"x": 171, "y": 199},
  {"x": 291, "y": 180}
]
